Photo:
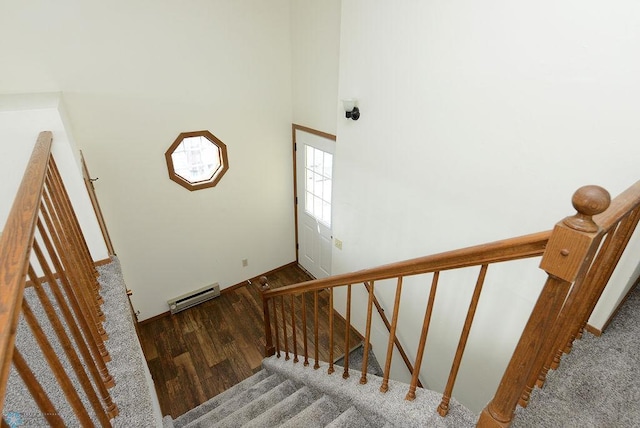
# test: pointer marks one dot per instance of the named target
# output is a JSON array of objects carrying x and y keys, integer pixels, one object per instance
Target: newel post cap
[{"x": 588, "y": 201}]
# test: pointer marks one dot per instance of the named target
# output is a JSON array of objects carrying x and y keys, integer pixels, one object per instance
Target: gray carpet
[
  {"x": 356, "y": 358},
  {"x": 284, "y": 394},
  {"x": 597, "y": 383},
  {"x": 128, "y": 367}
]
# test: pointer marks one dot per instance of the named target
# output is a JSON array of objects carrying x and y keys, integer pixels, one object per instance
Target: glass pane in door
[{"x": 318, "y": 171}]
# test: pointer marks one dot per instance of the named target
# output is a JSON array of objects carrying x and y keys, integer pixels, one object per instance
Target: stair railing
[
  {"x": 42, "y": 242},
  {"x": 483, "y": 255},
  {"x": 579, "y": 256}
]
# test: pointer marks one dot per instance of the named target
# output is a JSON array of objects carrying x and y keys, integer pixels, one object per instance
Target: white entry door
[{"x": 314, "y": 174}]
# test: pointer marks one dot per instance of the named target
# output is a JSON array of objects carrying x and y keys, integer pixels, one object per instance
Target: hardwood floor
[{"x": 200, "y": 352}]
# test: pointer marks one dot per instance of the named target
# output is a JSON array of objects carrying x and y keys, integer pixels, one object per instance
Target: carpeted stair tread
[
  {"x": 350, "y": 418},
  {"x": 238, "y": 401},
  {"x": 256, "y": 407},
  {"x": 367, "y": 398},
  {"x": 214, "y": 402},
  {"x": 286, "y": 409},
  {"x": 319, "y": 414}
]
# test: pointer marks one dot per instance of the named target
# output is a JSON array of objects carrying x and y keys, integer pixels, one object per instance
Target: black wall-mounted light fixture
[{"x": 350, "y": 108}]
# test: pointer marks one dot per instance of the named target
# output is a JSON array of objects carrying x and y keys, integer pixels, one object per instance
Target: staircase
[
  {"x": 283, "y": 394},
  {"x": 596, "y": 385}
]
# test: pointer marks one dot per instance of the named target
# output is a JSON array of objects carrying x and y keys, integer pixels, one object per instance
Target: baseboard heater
[{"x": 193, "y": 298}]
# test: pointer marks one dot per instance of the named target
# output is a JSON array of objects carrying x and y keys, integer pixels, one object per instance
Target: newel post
[
  {"x": 269, "y": 349},
  {"x": 570, "y": 250}
]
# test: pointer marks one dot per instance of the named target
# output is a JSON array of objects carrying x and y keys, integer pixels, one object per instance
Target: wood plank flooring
[{"x": 198, "y": 353}]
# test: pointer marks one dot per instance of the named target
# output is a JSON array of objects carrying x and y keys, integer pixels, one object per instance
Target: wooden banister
[
  {"x": 579, "y": 256},
  {"x": 42, "y": 229},
  {"x": 505, "y": 250},
  {"x": 482, "y": 255},
  {"x": 571, "y": 248},
  {"x": 15, "y": 247}
]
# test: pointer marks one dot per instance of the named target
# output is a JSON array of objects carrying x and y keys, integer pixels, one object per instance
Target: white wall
[
  {"x": 136, "y": 74},
  {"x": 315, "y": 41},
  {"x": 479, "y": 120},
  {"x": 22, "y": 118}
]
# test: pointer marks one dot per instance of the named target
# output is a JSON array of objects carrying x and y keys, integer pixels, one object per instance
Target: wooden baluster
[
  {"x": 330, "y": 369},
  {"x": 86, "y": 281},
  {"x": 64, "y": 211},
  {"x": 293, "y": 330},
  {"x": 93, "y": 340},
  {"x": 443, "y": 408},
  {"x": 56, "y": 367},
  {"x": 284, "y": 330},
  {"x": 74, "y": 219},
  {"x": 37, "y": 392},
  {"x": 392, "y": 335},
  {"x": 571, "y": 320},
  {"x": 569, "y": 253},
  {"x": 304, "y": 329},
  {"x": 269, "y": 350},
  {"x": 80, "y": 306},
  {"x": 411, "y": 395},
  {"x": 73, "y": 270},
  {"x": 556, "y": 340},
  {"x": 69, "y": 349},
  {"x": 347, "y": 333},
  {"x": 367, "y": 335},
  {"x": 316, "y": 365},
  {"x": 606, "y": 265},
  {"x": 396, "y": 341},
  {"x": 93, "y": 360},
  {"x": 275, "y": 325}
]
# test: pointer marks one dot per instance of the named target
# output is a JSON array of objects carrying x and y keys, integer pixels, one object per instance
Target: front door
[{"x": 314, "y": 174}]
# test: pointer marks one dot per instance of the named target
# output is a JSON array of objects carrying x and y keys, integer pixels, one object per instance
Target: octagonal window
[{"x": 197, "y": 160}]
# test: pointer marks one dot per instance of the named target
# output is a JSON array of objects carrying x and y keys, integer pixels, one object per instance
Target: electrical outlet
[
  {"x": 338, "y": 244},
  {"x": 245, "y": 262}
]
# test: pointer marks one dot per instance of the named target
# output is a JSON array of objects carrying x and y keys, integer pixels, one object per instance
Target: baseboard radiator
[{"x": 193, "y": 298}]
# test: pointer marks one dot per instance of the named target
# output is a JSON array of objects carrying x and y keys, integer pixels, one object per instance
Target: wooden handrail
[
  {"x": 500, "y": 251},
  {"x": 15, "y": 247},
  {"x": 619, "y": 208}
]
